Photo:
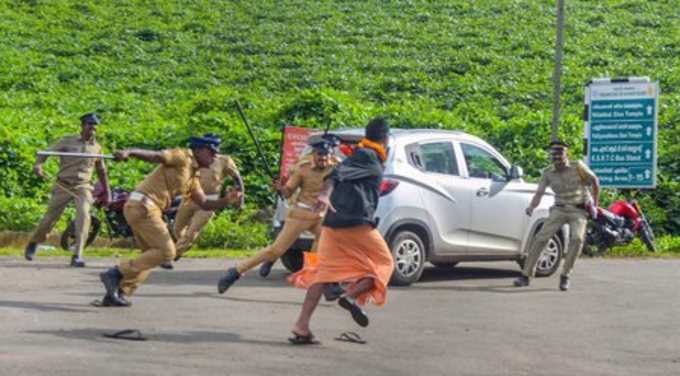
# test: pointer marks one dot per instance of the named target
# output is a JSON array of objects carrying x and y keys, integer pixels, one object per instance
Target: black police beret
[
  {"x": 322, "y": 147},
  {"x": 90, "y": 117},
  {"x": 208, "y": 140}
]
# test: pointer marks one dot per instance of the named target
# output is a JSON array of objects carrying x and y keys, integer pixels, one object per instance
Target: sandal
[
  {"x": 358, "y": 314},
  {"x": 351, "y": 337},
  {"x": 128, "y": 334},
  {"x": 299, "y": 339}
]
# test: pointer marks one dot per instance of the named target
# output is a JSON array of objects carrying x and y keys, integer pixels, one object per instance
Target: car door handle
[{"x": 482, "y": 192}]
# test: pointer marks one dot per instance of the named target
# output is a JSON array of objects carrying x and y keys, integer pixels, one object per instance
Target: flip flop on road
[
  {"x": 299, "y": 339},
  {"x": 128, "y": 334},
  {"x": 350, "y": 337}
]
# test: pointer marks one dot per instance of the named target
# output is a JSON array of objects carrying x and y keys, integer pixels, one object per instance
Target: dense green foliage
[{"x": 159, "y": 71}]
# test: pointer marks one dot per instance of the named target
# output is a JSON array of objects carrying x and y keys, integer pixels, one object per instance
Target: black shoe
[
  {"x": 522, "y": 281},
  {"x": 76, "y": 262},
  {"x": 122, "y": 300},
  {"x": 358, "y": 314},
  {"x": 266, "y": 268},
  {"x": 29, "y": 252},
  {"x": 111, "y": 280},
  {"x": 115, "y": 301},
  {"x": 167, "y": 265},
  {"x": 564, "y": 283},
  {"x": 333, "y": 291},
  {"x": 225, "y": 282}
]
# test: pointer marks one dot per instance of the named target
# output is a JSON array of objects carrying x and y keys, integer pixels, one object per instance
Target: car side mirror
[{"x": 516, "y": 172}]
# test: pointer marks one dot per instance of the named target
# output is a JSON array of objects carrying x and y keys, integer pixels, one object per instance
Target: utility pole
[{"x": 557, "y": 73}]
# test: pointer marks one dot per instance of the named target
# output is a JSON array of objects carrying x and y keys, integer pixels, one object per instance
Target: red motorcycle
[
  {"x": 113, "y": 214},
  {"x": 617, "y": 225}
]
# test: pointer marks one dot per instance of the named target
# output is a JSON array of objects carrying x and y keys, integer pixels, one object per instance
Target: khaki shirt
[
  {"x": 211, "y": 178},
  {"x": 177, "y": 175},
  {"x": 74, "y": 171},
  {"x": 308, "y": 181},
  {"x": 569, "y": 186}
]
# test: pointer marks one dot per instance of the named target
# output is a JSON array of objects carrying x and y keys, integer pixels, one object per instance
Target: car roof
[{"x": 403, "y": 135}]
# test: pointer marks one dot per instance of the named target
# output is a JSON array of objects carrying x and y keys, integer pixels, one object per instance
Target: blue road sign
[{"x": 621, "y": 130}]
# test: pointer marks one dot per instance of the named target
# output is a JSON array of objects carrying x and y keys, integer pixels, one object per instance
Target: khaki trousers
[
  {"x": 152, "y": 237},
  {"x": 189, "y": 221},
  {"x": 577, "y": 221},
  {"x": 291, "y": 230},
  {"x": 59, "y": 199}
]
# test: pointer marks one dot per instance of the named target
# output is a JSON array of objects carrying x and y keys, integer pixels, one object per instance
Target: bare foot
[{"x": 300, "y": 330}]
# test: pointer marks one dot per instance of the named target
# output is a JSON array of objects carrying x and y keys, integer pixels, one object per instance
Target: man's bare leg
[
  {"x": 312, "y": 299},
  {"x": 362, "y": 286}
]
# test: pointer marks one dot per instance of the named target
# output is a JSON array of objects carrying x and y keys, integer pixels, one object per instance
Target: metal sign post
[
  {"x": 557, "y": 73},
  {"x": 621, "y": 131}
]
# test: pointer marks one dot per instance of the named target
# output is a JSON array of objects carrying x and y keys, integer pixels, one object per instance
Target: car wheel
[
  {"x": 444, "y": 265},
  {"x": 550, "y": 258},
  {"x": 408, "y": 252},
  {"x": 293, "y": 260}
]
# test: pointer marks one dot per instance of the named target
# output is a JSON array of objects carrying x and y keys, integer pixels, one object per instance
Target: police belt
[
  {"x": 141, "y": 197},
  {"x": 578, "y": 206},
  {"x": 302, "y": 205}
]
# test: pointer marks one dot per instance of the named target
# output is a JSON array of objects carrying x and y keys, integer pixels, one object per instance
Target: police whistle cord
[{"x": 64, "y": 188}]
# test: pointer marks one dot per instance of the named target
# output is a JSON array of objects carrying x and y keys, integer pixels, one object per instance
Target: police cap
[
  {"x": 91, "y": 118},
  {"x": 208, "y": 140}
]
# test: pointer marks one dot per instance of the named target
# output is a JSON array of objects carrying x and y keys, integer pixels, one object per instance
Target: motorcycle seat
[{"x": 612, "y": 218}]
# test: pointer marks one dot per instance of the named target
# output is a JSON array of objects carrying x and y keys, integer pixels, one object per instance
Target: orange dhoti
[{"x": 347, "y": 255}]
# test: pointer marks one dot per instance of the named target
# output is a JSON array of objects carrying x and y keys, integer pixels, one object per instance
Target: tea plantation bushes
[{"x": 160, "y": 71}]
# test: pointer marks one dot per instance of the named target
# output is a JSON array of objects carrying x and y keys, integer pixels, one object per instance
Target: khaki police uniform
[
  {"x": 190, "y": 217},
  {"x": 72, "y": 184},
  {"x": 571, "y": 194},
  {"x": 178, "y": 174},
  {"x": 306, "y": 181}
]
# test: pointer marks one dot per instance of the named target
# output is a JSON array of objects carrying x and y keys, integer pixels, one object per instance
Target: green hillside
[{"x": 159, "y": 71}]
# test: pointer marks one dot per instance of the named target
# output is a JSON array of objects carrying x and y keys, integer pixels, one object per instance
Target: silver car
[{"x": 448, "y": 197}]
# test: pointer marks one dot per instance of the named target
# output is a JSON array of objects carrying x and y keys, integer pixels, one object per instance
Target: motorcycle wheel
[
  {"x": 68, "y": 237},
  {"x": 647, "y": 236},
  {"x": 592, "y": 246}
]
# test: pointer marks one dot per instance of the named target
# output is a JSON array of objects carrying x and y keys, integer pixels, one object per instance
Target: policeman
[
  {"x": 304, "y": 214},
  {"x": 570, "y": 182},
  {"x": 190, "y": 217},
  {"x": 177, "y": 174},
  {"x": 72, "y": 184}
]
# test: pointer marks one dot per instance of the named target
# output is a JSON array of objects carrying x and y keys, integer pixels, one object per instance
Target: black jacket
[{"x": 356, "y": 190}]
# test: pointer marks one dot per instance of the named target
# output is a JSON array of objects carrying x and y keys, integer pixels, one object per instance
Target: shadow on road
[
  {"x": 433, "y": 275},
  {"x": 185, "y": 337},
  {"x": 210, "y": 277},
  {"x": 35, "y": 265},
  {"x": 43, "y": 307},
  {"x": 201, "y": 294},
  {"x": 279, "y": 302},
  {"x": 463, "y": 273}
]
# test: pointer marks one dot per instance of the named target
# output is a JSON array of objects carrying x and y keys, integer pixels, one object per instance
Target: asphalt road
[{"x": 620, "y": 318}]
